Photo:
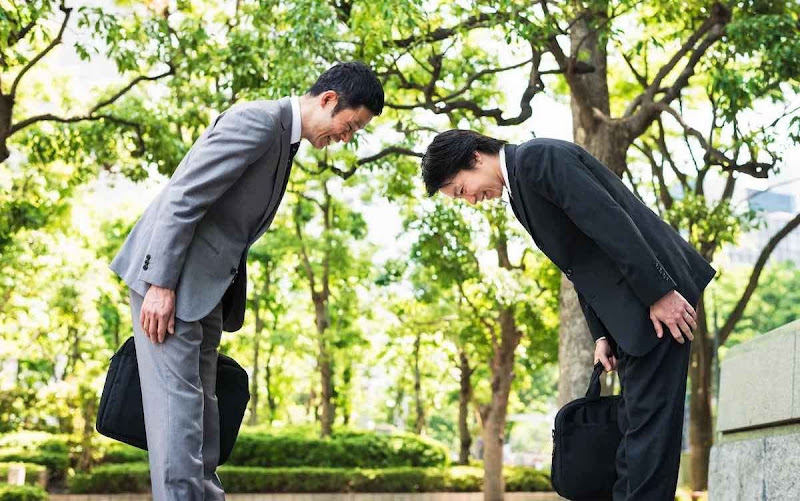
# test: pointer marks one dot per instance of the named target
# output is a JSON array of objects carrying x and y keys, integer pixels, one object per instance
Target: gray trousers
[{"x": 181, "y": 415}]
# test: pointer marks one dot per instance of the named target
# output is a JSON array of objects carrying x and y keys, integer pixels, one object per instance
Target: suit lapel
[
  {"x": 516, "y": 189},
  {"x": 282, "y": 169}
]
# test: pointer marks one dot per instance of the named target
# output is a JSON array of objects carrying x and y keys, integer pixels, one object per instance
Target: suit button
[
  {"x": 233, "y": 271},
  {"x": 568, "y": 272}
]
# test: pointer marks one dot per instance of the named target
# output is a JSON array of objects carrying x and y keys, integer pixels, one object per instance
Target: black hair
[
  {"x": 355, "y": 84},
  {"x": 450, "y": 153}
]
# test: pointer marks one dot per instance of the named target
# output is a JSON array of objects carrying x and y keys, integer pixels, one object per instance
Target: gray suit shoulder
[{"x": 261, "y": 110}]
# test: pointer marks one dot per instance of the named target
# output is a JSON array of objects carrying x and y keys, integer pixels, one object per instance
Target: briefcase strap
[{"x": 593, "y": 393}]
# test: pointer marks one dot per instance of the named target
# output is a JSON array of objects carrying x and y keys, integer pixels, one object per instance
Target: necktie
[{"x": 293, "y": 151}]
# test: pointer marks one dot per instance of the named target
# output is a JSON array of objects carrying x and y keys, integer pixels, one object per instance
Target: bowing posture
[{"x": 638, "y": 282}]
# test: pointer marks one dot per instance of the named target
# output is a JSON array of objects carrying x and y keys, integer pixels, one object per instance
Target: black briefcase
[
  {"x": 585, "y": 441},
  {"x": 120, "y": 415}
]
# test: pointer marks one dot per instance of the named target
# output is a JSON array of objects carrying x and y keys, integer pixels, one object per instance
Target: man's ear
[{"x": 329, "y": 96}]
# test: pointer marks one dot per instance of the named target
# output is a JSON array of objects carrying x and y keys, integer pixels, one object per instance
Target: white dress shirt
[
  {"x": 504, "y": 170},
  {"x": 296, "y": 117}
]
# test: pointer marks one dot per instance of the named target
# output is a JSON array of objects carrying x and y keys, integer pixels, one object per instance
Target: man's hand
[
  {"x": 605, "y": 355},
  {"x": 157, "y": 316},
  {"x": 676, "y": 313}
]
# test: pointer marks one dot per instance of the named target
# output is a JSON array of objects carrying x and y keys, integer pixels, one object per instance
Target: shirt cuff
[{"x": 598, "y": 339}]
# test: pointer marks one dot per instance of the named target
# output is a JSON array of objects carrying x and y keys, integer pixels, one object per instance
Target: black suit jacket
[{"x": 618, "y": 253}]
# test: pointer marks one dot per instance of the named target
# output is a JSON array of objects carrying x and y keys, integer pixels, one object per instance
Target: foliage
[
  {"x": 32, "y": 472},
  {"x": 352, "y": 449},
  {"x": 135, "y": 478},
  {"x": 22, "y": 493}
]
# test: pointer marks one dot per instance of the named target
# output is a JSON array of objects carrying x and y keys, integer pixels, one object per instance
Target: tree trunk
[
  {"x": 254, "y": 381},
  {"x": 395, "y": 411},
  {"x": 345, "y": 404},
  {"x": 701, "y": 435},
  {"x": 325, "y": 365},
  {"x": 464, "y": 396},
  {"x": 419, "y": 423},
  {"x": 575, "y": 347},
  {"x": 271, "y": 403},
  {"x": 89, "y": 417},
  {"x": 608, "y": 144},
  {"x": 493, "y": 484},
  {"x": 493, "y": 416},
  {"x": 6, "y": 106}
]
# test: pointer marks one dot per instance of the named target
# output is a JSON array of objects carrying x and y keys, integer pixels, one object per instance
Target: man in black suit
[{"x": 633, "y": 274}]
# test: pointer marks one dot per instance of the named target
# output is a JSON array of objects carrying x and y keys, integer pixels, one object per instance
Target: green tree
[{"x": 503, "y": 304}]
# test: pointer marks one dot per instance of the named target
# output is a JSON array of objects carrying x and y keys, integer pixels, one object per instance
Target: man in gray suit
[{"x": 184, "y": 262}]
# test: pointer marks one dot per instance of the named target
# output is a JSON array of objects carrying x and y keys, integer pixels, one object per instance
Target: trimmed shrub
[
  {"x": 22, "y": 493},
  {"x": 522, "y": 479},
  {"x": 38, "y": 447},
  {"x": 123, "y": 453},
  {"x": 343, "y": 450},
  {"x": 112, "y": 478},
  {"x": 32, "y": 472},
  {"x": 133, "y": 477},
  {"x": 56, "y": 462}
]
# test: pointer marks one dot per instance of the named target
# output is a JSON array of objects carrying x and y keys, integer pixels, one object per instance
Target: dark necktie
[{"x": 293, "y": 151}]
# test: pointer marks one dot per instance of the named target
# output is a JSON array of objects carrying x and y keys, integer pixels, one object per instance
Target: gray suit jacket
[{"x": 194, "y": 237}]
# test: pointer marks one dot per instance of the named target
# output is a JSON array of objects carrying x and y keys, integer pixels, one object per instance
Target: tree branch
[
  {"x": 738, "y": 310},
  {"x": 347, "y": 174},
  {"x": 57, "y": 40},
  {"x": 140, "y": 78},
  {"x": 711, "y": 30},
  {"x": 439, "y": 34},
  {"x": 719, "y": 17},
  {"x": 481, "y": 319},
  {"x": 304, "y": 253},
  {"x": 16, "y": 36},
  {"x": 714, "y": 156}
]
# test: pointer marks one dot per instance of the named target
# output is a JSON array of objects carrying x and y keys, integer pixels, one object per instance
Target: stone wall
[{"x": 756, "y": 455}]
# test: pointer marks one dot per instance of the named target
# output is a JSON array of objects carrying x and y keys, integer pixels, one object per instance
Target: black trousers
[{"x": 651, "y": 420}]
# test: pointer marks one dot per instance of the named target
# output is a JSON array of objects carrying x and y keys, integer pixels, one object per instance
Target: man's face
[
  {"x": 478, "y": 184},
  {"x": 330, "y": 127}
]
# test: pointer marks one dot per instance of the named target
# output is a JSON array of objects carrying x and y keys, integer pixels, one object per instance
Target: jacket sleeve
[
  {"x": 239, "y": 137},
  {"x": 556, "y": 171}
]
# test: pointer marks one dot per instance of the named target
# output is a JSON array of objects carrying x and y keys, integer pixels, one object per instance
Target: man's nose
[{"x": 346, "y": 137}]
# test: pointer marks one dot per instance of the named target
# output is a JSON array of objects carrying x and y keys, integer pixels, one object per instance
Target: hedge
[
  {"x": 344, "y": 450},
  {"x": 135, "y": 478},
  {"x": 123, "y": 453},
  {"x": 56, "y": 462},
  {"x": 32, "y": 472},
  {"x": 22, "y": 493},
  {"x": 112, "y": 478}
]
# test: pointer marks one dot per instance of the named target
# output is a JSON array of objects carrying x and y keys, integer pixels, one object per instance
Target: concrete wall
[{"x": 757, "y": 451}]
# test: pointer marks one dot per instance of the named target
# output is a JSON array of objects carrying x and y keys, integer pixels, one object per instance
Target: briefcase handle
[{"x": 593, "y": 393}]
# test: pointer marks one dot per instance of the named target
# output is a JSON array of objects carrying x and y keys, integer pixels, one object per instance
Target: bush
[
  {"x": 32, "y": 472},
  {"x": 112, "y": 478},
  {"x": 122, "y": 453},
  {"x": 22, "y": 493},
  {"x": 135, "y": 478},
  {"x": 56, "y": 462},
  {"x": 522, "y": 479},
  {"x": 344, "y": 450}
]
